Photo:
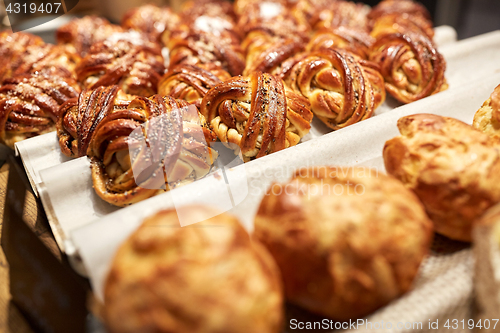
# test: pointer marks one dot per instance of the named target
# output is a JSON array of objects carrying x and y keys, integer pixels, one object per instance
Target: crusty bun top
[
  {"x": 347, "y": 240},
  {"x": 453, "y": 168},
  {"x": 206, "y": 277}
]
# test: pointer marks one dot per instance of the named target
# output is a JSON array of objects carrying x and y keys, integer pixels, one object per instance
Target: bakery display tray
[
  {"x": 90, "y": 230},
  {"x": 443, "y": 289}
]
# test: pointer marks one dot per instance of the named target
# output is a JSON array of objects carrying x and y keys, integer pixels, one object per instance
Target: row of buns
[{"x": 257, "y": 72}]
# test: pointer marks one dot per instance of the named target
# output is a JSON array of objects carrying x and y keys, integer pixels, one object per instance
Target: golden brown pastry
[
  {"x": 23, "y": 53},
  {"x": 49, "y": 59},
  {"x": 270, "y": 15},
  {"x": 136, "y": 38},
  {"x": 331, "y": 14},
  {"x": 341, "y": 88},
  {"x": 173, "y": 150},
  {"x": 487, "y": 118},
  {"x": 347, "y": 240},
  {"x": 29, "y": 105},
  {"x": 352, "y": 40},
  {"x": 214, "y": 17},
  {"x": 206, "y": 37},
  {"x": 402, "y": 23},
  {"x": 272, "y": 35},
  {"x": 269, "y": 22},
  {"x": 258, "y": 32},
  {"x": 256, "y": 113},
  {"x": 411, "y": 8},
  {"x": 453, "y": 168},
  {"x": 268, "y": 54},
  {"x": 137, "y": 69},
  {"x": 214, "y": 26},
  {"x": 205, "y": 278},
  {"x": 272, "y": 18},
  {"x": 200, "y": 47},
  {"x": 151, "y": 20},
  {"x": 411, "y": 66},
  {"x": 212, "y": 8},
  {"x": 304, "y": 10},
  {"x": 341, "y": 14},
  {"x": 12, "y": 48},
  {"x": 242, "y": 7},
  {"x": 79, "y": 117},
  {"x": 191, "y": 83},
  {"x": 82, "y": 33}
]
